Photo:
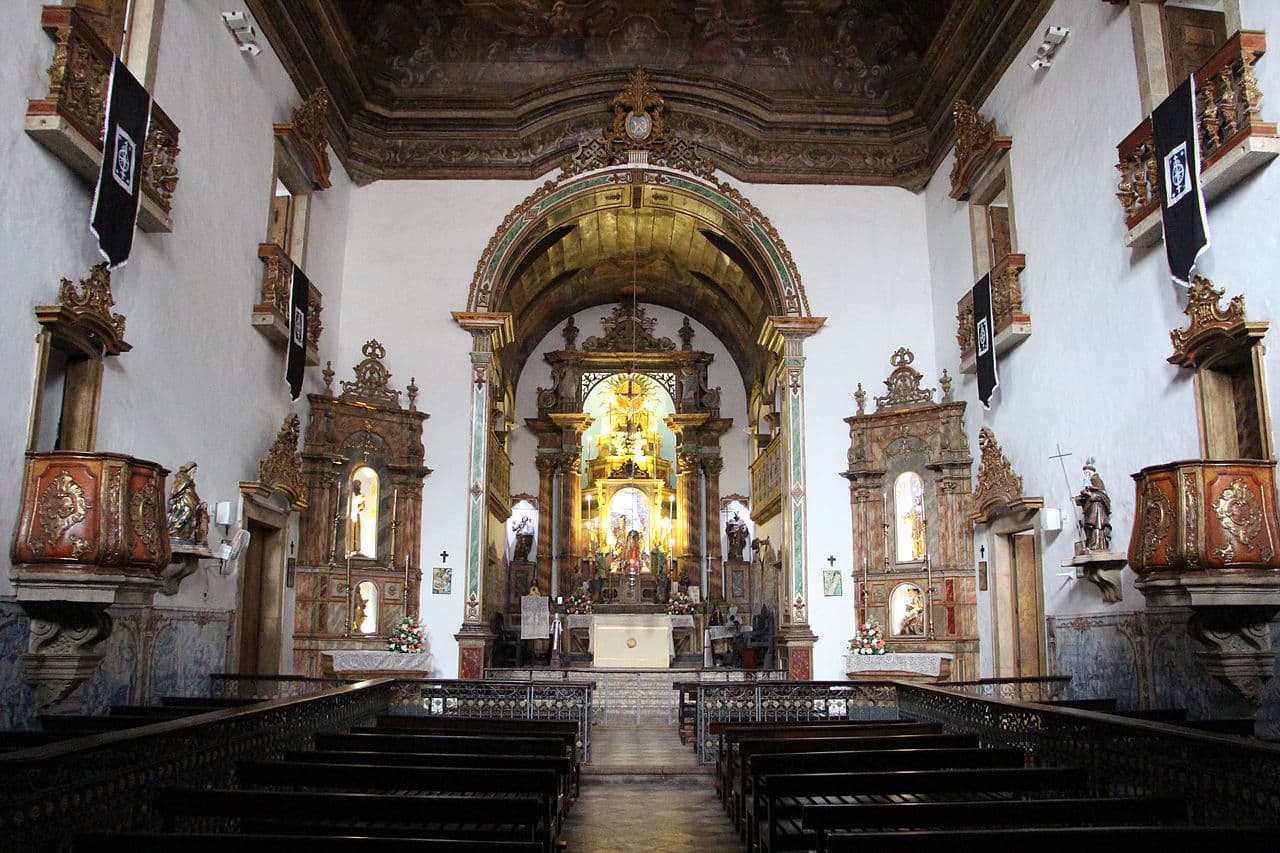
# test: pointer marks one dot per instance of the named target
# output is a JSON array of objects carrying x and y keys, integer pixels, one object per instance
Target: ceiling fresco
[{"x": 789, "y": 91}]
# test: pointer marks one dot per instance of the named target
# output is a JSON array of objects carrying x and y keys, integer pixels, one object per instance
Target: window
[
  {"x": 1174, "y": 38},
  {"x": 290, "y": 208},
  {"x": 991, "y": 219}
]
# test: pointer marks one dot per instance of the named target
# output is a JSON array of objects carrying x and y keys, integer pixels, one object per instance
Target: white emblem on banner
[
  {"x": 299, "y": 324},
  {"x": 122, "y": 162},
  {"x": 1177, "y": 178},
  {"x": 984, "y": 337}
]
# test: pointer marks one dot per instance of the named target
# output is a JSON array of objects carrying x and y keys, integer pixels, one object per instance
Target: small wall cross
[
  {"x": 444, "y": 556},
  {"x": 831, "y": 561}
]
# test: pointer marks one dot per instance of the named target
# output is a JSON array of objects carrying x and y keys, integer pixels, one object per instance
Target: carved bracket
[
  {"x": 60, "y": 652},
  {"x": 1236, "y": 646},
  {"x": 1102, "y": 570}
]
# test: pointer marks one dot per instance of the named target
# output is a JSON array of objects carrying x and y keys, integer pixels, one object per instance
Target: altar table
[
  {"x": 632, "y": 640},
  {"x": 361, "y": 663}
]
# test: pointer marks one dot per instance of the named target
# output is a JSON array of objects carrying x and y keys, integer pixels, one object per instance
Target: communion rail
[
  {"x": 788, "y": 702},
  {"x": 499, "y": 700},
  {"x": 105, "y": 783},
  {"x": 1225, "y": 778}
]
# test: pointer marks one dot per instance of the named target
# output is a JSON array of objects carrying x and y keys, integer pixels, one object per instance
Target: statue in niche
[
  {"x": 188, "y": 516},
  {"x": 908, "y": 506},
  {"x": 735, "y": 531},
  {"x": 912, "y": 623},
  {"x": 1095, "y": 506},
  {"x": 367, "y": 609},
  {"x": 524, "y": 540},
  {"x": 362, "y": 514}
]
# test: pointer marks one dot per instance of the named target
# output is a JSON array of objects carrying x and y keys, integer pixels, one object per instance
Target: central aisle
[{"x": 643, "y": 791}]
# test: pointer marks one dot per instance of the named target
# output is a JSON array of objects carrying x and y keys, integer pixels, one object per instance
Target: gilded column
[
  {"x": 546, "y": 503},
  {"x": 490, "y": 331},
  {"x": 689, "y": 513},
  {"x": 785, "y": 335}
]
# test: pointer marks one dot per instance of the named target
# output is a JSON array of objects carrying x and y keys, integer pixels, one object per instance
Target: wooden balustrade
[
  {"x": 499, "y": 479},
  {"x": 1233, "y": 137},
  {"x": 69, "y": 119},
  {"x": 271, "y": 314},
  {"x": 1013, "y": 324},
  {"x": 766, "y": 482}
]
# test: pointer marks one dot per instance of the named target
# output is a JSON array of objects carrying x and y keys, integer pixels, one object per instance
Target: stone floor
[{"x": 644, "y": 791}]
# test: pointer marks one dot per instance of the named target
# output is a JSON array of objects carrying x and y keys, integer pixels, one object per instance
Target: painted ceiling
[{"x": 805, "y": 91}]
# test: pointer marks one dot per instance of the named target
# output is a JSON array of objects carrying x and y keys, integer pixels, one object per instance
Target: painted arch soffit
[{"x": 692, "y": 245}]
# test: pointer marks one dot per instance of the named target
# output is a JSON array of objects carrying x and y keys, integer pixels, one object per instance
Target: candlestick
[
  {"x": 391, "y": 551},
  {"x": 337, "y": 518},
  {"x": 406, "y": 586},
  {"x": 346, "y": 629}
]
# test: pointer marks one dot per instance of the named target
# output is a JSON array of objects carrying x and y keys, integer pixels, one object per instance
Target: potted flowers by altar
[
  {"x": 680, "y": 604},
  {"x": 578, "y": 602},
  {"x": 869, "y": 641},
  {"x": 407, "y": 638}
]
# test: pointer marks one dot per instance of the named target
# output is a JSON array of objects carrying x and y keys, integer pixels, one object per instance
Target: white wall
[
  {"x": 1092, "y": 378},
  {"x": 200, "y": 383}
]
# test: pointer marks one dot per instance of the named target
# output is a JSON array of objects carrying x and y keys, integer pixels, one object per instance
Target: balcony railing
[
  {"x": 766, "y": 482},
  {"x": 69, "y": 119},
  {"x": 499, "y": 478},
  {"x": 1234, "y": 141},
  {"x": 271, "y": 314},
  {"x": 1013, "y": 324}
]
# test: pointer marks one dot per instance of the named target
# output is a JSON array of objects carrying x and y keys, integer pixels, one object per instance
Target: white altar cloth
[
  {"x": 632, "y": 640},
  {"x": 361, "y": 660},
  {"x": 919, "y": 663}
]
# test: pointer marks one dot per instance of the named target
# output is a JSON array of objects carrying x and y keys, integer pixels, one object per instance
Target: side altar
[{"x": 358, "y": 564}]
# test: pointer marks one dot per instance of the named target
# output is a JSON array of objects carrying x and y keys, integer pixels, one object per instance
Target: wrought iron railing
[
  {"x": 788, "y": 701},
  {"x": 236, "y": 686},
  {"x": 1030, "y": 689},
  {"x": 1224, "y": 778},
  {"x": 105, "y": 783},
  {"x": 499, "y": 700}
]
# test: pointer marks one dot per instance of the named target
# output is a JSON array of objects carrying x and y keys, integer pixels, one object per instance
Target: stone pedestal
[{"x": 795, "y": 647}]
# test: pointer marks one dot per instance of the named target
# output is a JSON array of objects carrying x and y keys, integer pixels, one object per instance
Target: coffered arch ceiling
[
  {"x": 802, "y": 91},
  {"x": 661, "y": 247}
]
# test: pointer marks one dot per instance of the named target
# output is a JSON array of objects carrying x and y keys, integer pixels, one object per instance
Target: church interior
[{"x": 638, "y": 345}]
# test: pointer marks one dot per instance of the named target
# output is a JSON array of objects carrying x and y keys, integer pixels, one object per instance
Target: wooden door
[
  {"x": 1191, "y": 36},
  {"x": 1027, "y": 595},
  {"x": 254, "y": 568}
]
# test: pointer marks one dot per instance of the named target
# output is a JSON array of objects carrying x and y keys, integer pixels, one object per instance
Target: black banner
[
  {"x": 1186, "y": 228},
  {"x": 119, "y": 191},
  {"x": 295, "y": 365},
  {"x": 984, "y": 340}
]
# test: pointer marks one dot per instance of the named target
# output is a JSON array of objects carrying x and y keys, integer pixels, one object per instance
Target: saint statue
[
  {"x": 188, "y": 516},
  {"x": 355, "y": 509},
  {"x": 1095, "y": 506},
  {"x": 913, "y": 619},
  {"x": 735, "y": 530},
  {"x": 524, "y": 540}
]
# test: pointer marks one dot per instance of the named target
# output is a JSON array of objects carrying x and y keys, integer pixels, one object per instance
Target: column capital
[
  {"x": 782, "y": 330},
  {"x": 490, "y": 330}
]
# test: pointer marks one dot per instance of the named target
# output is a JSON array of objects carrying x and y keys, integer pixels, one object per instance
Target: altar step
[{"x": 630, "y": 753}]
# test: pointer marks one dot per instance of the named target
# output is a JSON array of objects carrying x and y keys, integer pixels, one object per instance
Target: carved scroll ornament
[
  {"x": 281, "y": 470},
  {"x": 372, "y": 378},
  {"x": 84, "y": 314},
  {"x": 304, "y": 135},
  {"x": 1211, "y": 327},
  {"x": 999, "y": 489},
  {"x": 976, "y": 143},
  {"x": 904, "y": 384}
]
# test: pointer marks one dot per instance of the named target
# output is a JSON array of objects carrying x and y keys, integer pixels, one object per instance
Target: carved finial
[
  {"x": 570, "y": 334},
  {"x": 372, "y": 377},
  {"x": 944, "y": 382},
  {"x": 281, "y": 470},
  {"x": 327, "y": 373},
  {"x": 638, "y": 122},
  {"x": 413, "y": 393},
  {"x": 628, "y": 329},
  {"x": 904, "y": 384},
  {"x": 686, "y": 335},
  {"x": 860, "y": 397}
]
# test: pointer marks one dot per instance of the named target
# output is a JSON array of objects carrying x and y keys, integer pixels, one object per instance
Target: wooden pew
[
  {"x": 820, "y": 819},
  {"x": 473, "y": 816},
  {"x": 1167, "y": 839},
  {"x": 782, "y": 796},
  {"x": 864, "y": 761},
  {"x": 211, "y": 843},
  {"x": 561, "y": 764},
  {"x": 416, "y": 778},
  {"x": 731, "y": 733},
  {"x": 748, "y": 747}
]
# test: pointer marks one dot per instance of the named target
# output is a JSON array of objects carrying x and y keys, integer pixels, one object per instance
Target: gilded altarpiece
[
  {"x": 909, "y": 473},
  {"x": 358, "y": 569}
]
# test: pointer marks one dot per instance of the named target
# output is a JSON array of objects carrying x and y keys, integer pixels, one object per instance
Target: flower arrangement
[
  {"x": 869, "y": 641},
  {"x": 578, "y": 602},
  {"x": 680, "y": 604},
  {"x": 407, "y": 638}
]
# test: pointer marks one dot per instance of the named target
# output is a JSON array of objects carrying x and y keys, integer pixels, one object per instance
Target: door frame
[
  {"x": 999, "y": 532},
  {"x": 270, "y": 616}
]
